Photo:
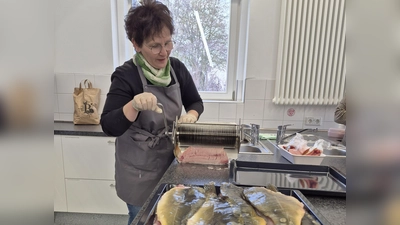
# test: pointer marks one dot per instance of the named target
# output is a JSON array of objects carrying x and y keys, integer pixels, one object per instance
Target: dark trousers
[{"x": 133, "y": 211}]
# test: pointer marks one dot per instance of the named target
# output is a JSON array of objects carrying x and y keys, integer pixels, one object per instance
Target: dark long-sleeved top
[
  {"x": 126, "y": 83},
  {"x": 340, "y": 112}
]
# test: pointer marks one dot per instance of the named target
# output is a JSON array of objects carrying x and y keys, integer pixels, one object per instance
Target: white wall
[
  {"x": 263, "y": 39},
  {"x": 84, "y": 50},
  {"x": 83, "y": 37}
]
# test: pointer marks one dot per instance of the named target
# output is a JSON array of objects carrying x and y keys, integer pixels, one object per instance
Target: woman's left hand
[{"x": 187, "y": 118}]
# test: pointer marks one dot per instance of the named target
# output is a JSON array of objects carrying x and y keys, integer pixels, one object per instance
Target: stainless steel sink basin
[
  {"x": 248, "y": 148},
  {"x": 335, "y": 152}
]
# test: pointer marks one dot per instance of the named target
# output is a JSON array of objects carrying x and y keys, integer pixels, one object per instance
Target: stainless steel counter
[{"x": 332, "y": 208}]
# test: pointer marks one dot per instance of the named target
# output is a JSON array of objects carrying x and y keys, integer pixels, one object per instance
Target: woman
[
  {"x": 143, "y": 151},
  {"x": 340, "y": 115},
  {"x": 340, "y": 112}
]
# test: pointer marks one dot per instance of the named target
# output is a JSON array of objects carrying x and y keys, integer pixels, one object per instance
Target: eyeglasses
[{"x": 156, "y": 49}]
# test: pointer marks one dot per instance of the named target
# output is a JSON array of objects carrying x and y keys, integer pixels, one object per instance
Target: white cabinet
[
  {"x": 89, "y": 157},
  {"x": 88, "y": 175},
  {"x": 94, "y": 196},
  {"x": 60, "y": 200}
]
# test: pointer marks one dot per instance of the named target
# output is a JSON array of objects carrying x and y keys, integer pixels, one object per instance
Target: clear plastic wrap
[
  {"x": 298, "y": 143},
  {"x": 298, "y": 146},
  {"x": 321, "y": 144}
]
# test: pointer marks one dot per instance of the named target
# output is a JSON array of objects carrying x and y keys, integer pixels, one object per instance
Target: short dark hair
[{"x": 147, "y": 20}]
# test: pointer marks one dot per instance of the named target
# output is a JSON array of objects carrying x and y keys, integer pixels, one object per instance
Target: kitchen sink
[
  {"x": 248, "y": 148},
  {"x": 335, "y": 152}
]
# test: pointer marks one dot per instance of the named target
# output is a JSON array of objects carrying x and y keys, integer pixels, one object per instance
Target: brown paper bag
[{"x": 86, "y": 104}]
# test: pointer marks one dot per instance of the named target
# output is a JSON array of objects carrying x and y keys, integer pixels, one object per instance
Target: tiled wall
[
  {"x": 257, "y": 108},
  {"x": 64, "y": 88}
]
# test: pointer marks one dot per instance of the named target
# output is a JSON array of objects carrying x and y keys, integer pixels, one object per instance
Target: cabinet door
[
  {"x": 94, "y": 196},
  {"x": 60, "y": 199},
  {"x": 87, "y": 157}
]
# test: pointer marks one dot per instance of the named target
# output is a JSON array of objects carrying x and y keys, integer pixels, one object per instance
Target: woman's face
[{"x": 162, "y": 42}]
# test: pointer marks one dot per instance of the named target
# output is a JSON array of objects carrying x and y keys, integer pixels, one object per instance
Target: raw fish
[
  {"x": 178, "y": 204},
  {"x": 307, "y": 218},
  {"x": 204, "y": 155},
  {"x": 280, "y": 208},
  {"x": 240, "y": 206},
  {"x": 215, "y": 210}
]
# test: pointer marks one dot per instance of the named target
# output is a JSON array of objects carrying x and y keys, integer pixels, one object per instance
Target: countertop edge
[
  {"x": 79, "y": 133},
  {"x": 69, "y": 128}
]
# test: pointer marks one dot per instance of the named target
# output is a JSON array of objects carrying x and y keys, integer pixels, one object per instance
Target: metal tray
[
  {"x": 147, "y": 217},
  {"x": 309, "y": 179}
]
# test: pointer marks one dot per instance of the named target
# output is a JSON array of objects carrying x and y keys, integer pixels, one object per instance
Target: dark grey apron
[{"x": 144, "y": 152}]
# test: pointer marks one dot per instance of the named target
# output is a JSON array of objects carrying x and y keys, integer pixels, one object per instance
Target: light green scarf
[{"x": 157, "y": 77}]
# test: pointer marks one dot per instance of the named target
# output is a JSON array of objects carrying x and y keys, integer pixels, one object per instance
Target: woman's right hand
[{"x": 146, "y": 101}]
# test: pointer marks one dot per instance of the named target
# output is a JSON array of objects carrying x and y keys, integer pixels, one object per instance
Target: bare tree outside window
[{"x": 202, "y": 39}]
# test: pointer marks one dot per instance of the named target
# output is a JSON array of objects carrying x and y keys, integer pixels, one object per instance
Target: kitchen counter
[
  {"x": 68, "y": 128},
  {"x": 332, "y": 208}
]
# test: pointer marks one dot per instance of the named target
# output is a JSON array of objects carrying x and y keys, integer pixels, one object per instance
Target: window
[{"x": 210, "y": 39}]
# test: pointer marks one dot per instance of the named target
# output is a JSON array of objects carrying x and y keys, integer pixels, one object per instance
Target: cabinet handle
[
  {"x": 112, "y": 185},
  {"x": 111, "y": 142}
]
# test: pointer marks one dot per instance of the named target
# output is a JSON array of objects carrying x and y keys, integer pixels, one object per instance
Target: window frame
[
  {"x": 237, "y": 53},
  {"x": 122, "y": 47}
]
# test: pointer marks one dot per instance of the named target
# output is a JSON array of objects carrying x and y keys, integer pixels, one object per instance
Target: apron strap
[{"x": 155, "y": 139}]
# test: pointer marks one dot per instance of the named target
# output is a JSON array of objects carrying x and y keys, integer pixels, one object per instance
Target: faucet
[
  {"x": 254, "y": 134},
  {"x": 280, "y": 134}
]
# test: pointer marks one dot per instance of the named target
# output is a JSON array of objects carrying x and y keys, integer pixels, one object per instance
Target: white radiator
[{"x": 311, "y": 54}]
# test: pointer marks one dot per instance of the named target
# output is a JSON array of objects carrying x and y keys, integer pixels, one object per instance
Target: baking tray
[
  {"x": 309, "y": 179},
  {"x": 147, "y": 217}
]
